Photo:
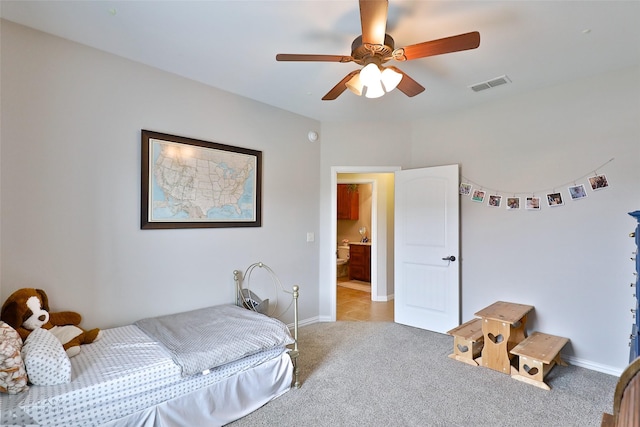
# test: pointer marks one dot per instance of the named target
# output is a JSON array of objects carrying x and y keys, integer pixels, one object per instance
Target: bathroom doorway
[
  {"x": 353, "y": 267},
  {"x": 370, "y": 299}
]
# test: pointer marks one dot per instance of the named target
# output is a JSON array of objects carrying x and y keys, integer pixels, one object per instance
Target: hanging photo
[
  {"x": 465, "y": 189},
  {"x": 532, "y": 203},
  {"x": 598, "y": 182},
  {"x": 478, "y": 196},
  {"x": 513, "y": 203},
  {"x": 554, "y": 199},
  {"x": 495, "y": 200},
  {"x": 577, "y": 192}
]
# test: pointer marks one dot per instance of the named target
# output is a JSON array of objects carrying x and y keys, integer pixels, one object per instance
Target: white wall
[
  {"x": 570, "y": 262},
  {"x": 70, "y": 173}
]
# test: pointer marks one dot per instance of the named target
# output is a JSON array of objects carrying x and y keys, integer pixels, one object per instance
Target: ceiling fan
[{"x": 374, "y": 48}]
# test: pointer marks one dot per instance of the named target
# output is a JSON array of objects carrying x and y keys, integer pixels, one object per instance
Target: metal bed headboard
[{"x": 247, "y": 299}]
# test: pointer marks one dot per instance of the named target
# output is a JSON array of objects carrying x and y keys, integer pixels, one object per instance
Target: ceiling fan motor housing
[{"x": 362, "y": 51}]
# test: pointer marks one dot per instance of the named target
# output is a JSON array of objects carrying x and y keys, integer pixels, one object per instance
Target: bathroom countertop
[{"x": 360, "y": 243}]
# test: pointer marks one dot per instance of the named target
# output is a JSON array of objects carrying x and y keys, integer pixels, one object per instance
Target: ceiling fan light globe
[
  {"x": 355, "y": 85},
  {"x": 390, "y": 79},
  {"x": 370, "y": 75},
  {"x": 374, "y": 90}
]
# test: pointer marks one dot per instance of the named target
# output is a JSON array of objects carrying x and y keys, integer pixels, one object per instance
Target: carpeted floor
[{"x": 386, "y": 374}]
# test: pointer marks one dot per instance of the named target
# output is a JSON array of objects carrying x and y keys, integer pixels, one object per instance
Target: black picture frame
[{"x": 191, "y": 183}]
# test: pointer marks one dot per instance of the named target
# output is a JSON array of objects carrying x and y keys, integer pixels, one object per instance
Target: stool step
[
  {"x": 540, "y": 346},
  {"x": 471, "y": 330},
  {"x": 538, "y": 353},
  {"x": 467, "y": 341}
]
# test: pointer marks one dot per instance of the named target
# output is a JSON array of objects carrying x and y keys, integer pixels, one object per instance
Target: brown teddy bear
[{"x": 28, "y": 309}]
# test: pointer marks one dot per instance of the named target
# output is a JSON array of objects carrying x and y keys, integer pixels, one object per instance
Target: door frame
[{"x": 379, "y": 228}]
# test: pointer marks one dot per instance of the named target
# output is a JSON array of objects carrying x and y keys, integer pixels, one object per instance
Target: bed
[{"x": 155, "y": 373}]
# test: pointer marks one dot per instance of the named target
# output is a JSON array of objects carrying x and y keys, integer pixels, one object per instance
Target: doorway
[
  {"x": 354, "y": 236},
  {"x": 381, "y": 235},
  {"x": 356, "y": 305}
]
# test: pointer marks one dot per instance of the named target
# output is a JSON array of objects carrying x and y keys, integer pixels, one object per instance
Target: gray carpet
[{"x": 385, "y": 374}]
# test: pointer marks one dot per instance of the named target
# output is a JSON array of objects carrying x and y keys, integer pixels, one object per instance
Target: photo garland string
[{"x": 554, "y": 198}]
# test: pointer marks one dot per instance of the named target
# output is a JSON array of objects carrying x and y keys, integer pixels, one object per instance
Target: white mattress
[{"x": 123, "y": 373}]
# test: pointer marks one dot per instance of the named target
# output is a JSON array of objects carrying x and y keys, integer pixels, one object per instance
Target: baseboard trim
[
  {"x": 587, "y": 364},
  {"x": 304, "y": 322},
  {"x": 384, "y": 298}
]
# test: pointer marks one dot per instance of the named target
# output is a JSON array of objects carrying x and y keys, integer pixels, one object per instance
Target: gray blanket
[{"x": 203, "y": 339}]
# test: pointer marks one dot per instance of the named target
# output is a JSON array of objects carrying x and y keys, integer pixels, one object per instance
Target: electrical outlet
[{"x": 310, "y": 236}]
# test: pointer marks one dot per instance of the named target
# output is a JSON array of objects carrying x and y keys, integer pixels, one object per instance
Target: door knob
[{"x": 449, "y": 258}]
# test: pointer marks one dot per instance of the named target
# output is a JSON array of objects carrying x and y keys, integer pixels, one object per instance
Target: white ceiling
[{"x": 232, "y": 45}]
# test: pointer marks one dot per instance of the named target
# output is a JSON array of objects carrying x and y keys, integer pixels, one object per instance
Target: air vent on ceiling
[{"x": 490, "y": 83}]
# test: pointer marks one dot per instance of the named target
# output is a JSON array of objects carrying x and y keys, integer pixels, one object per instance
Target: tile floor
[{"x": 357, "y": 305}]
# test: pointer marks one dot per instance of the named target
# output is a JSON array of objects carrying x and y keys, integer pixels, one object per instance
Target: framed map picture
[{"x": 189, "y": 183}]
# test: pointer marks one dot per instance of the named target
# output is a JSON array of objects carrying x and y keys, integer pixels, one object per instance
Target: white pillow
[
  {"x": 45, "y": 359},
  {"x": 13, "y": 377}
]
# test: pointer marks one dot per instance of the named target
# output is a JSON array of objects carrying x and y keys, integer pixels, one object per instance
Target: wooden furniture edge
[{"x": 627, "y": 376}]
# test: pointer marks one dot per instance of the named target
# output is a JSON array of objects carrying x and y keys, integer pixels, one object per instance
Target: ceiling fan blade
[
  {"x": 407, "y": 85},
  {"x": 438, "y": 47},
  {"x": 340, "y": 87},
  {"x": 373, "y": 17},
  {"x": 317, "y": 58}
]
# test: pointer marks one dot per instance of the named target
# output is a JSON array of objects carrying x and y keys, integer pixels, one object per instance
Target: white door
[{"x": 427, "y": 274}]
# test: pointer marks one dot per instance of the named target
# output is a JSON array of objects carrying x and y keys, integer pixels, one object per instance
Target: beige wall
[{"x": 71, "y": 154}]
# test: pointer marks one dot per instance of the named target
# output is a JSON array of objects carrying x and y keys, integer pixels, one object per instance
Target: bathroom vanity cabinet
[
  {"x": 360, "y": 262},
  {"x": 348, "y": 202}
]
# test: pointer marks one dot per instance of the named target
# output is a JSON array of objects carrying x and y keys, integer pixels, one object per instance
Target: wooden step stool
[
  {"x": 538, "y": 354},
  {"x": 467, "y": 341}
]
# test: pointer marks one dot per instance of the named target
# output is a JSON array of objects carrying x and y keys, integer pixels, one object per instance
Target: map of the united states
[{"x": 194, "y": 183}]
